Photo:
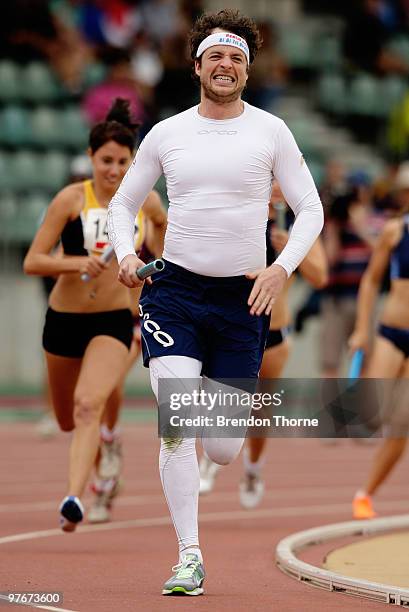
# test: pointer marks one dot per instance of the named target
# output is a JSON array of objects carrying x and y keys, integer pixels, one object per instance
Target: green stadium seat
[
  {"x": 9, "y": 82},
  {"x": 365, "y": 96},
  {"x": 94, "y": 73},
  {"x": 332, "y": 93},
  {"x": 30, "y": 211},
  {"x": 400, "y": 46},
  {"x": 8, "y": 209},
  {"x": 40, "y": 84},
  {"x": 46, "y": 127},
  {"x": 303, "y": 133},
  {"x": 54, "y": 170},
  {"x": 328, "y": 52},
  {"x": 394, "y": 90},
  {"x": 4, "y": 171},
  {"x": 317, "y": 170},
  {"x": 24, "y": 170},
  {"x": 15, "y": 127},
  {"x": 74, "y": 129},
  {"x": 297, "y": 46}
]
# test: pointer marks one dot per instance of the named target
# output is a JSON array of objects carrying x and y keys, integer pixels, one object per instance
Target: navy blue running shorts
[{"x": 204, "y": 317}]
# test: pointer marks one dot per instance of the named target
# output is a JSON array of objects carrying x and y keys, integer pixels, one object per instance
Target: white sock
[
  {"x": 254, "y": 469},
  {"x": 360, "y": 493},
  {"x": 109, "y": 435},
  {"x": 190, "y": 551}
]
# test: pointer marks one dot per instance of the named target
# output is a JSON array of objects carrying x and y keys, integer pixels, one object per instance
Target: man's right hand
[{"x": 127, "y": 271}]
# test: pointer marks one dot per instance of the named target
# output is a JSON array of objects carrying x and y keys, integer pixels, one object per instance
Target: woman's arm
[
  {"x": 39, "y": 259},
  {"x": 157, "y": 220},
  {"x": 370, "y": 283},
  {"x": 314, "y": 266}
]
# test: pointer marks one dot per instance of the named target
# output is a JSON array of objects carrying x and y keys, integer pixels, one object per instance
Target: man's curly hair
[{"x": 228, "y": 20}]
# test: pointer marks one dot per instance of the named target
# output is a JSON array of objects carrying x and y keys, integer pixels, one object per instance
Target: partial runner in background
[
  {"x": 89, "y": 327},
  {"x": 390, "y": 356}
]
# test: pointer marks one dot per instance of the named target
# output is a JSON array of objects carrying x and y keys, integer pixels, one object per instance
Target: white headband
[{"x": 224, "y": 38}]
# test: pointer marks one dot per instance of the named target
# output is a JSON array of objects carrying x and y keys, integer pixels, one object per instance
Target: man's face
[{"x": 223, "y": 73}]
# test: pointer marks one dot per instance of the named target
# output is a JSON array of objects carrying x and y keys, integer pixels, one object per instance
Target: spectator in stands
[
  {"x": 333, "y": 185},
  {"x": 40, "y": 30},
  {"x": 268, "y": 79},
  {"x": 118, "y": 83},
  {"x": 366, "y": 37},
  {"x": 349, "y": 236}
]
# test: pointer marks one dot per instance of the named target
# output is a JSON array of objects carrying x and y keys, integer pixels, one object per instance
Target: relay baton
[
  {"x": 356, "y": 365},
  {"x": 151, "y": 268},
  {"x": 106, "y": 257},
  {"x": 280, "y": 209}
]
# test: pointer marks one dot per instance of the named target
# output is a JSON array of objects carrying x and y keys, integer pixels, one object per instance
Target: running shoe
[
  {"x": 251, "y": 491},
  {"x": 47, "y": 427},
  {"x": 188, "y": 579},
  {"x": 72, "y": 513},
  {"x": 110, "y": 463},
  {"x": 208, "y": 470},
  {"x": 362, "y": 507},
  {"x": 100, "y": 511}
]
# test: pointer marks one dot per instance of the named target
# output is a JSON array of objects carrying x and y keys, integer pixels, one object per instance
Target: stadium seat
[
  {"x": 30, "y": 212},
  {"x": 365, "y": 96},
  {"x": 400, "y": 46},
  {"x": 332, "y": 93},
  {"x": 94, "y": 74},
  {"x": 24, "y": 170},
  {"x": 9, "y": 82},
  {"x": 74, "y": 129},
  {"x": 297, "y": 46},
  {"x": 303, "y": 133},
  {"x": 15, "y": 127},
  {"x": 53, "y": 170},
  {"x": 46, "y": 127},
  {"x": 328, "y": 53},
  {"x": 40, "y": 84},
  {"x": 8, "y": 209},
  {"x": 4, "y": 171},
  {"x": 317, "y": 170},
  {"x": 394, "y": 90}
]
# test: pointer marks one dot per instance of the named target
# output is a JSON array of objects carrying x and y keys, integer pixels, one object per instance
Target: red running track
[{"x": 123, "y": 566}]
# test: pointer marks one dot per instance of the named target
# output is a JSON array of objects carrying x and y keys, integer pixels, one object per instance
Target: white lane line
[
  {"x": 215, "y": 497},
  {"x": 207, "y": 517},
  {"x": 38, "y": 607}
]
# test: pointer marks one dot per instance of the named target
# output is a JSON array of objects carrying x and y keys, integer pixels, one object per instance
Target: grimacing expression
[
  {"x": 110, "y": 163},
  {"x": 223, "y": 73}
]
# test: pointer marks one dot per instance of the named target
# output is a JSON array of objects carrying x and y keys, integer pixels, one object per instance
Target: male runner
[{"x": 207, "y": 312}]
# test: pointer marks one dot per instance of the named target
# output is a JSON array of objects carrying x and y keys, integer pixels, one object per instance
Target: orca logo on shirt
[{"x": 218, "y": 132}]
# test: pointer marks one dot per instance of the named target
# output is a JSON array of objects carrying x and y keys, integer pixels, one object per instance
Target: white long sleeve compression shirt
[{"x": 218, "y": 176}]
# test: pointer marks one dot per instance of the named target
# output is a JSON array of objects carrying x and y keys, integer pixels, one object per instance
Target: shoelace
[{"x": 186, "y": 569}]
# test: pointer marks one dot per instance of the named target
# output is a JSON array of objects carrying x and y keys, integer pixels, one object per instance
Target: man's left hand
[{"x": 268, "y": 284}]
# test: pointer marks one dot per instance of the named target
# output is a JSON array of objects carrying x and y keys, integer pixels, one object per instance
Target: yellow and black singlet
[{"x": 87, "y": 234}]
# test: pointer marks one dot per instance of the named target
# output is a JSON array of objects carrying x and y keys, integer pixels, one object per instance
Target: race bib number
[{"x": 96, "y": 233}]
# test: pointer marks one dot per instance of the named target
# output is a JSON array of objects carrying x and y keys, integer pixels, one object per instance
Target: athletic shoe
[
  {"x": 47, "y": 427},
  {"x": 251, "y": 491},
  {"x": 110, "y": 463},
  {"x": 188, "y": 578},
  {"x": 72, "y": 513},
  {"x": 208, "y": 470},
  {"x": 362, "y": 507},
  {"x": 101, "y": 507}
]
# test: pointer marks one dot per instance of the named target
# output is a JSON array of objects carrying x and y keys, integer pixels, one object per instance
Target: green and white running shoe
[{"x": 188, "y": 579}]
